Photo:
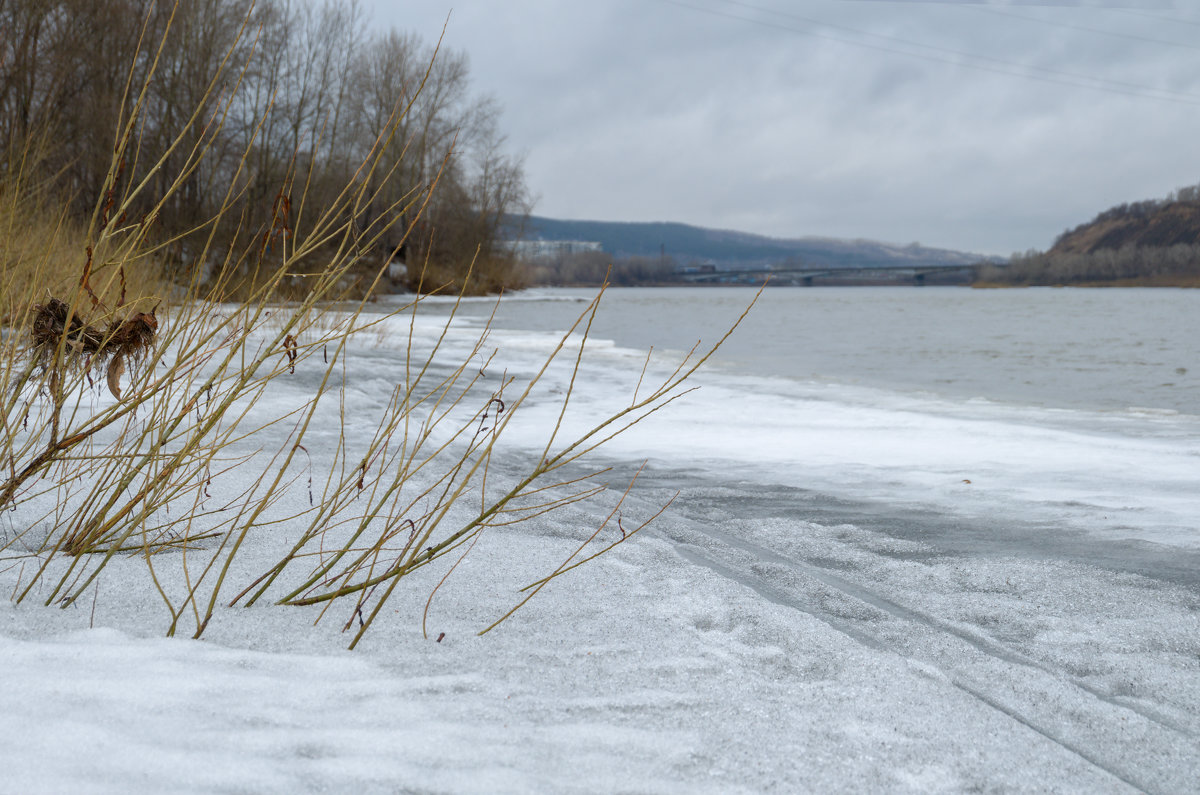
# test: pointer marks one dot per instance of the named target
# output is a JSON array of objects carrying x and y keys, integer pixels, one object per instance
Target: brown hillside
[
  {"x": 1146, "y": 243},
  {"x": 1144, "y": 224}
]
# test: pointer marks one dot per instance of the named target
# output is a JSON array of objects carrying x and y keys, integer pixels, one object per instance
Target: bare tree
[{"x": 283, "y": 96}]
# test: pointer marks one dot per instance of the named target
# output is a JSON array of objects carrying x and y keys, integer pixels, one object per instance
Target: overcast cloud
[{"x": 987, "y": 127}]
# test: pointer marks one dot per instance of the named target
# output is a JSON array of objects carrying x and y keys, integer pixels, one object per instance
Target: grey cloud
[
  {"x": 875, "y": 123},
  {"x": 1157, "y": 5}
]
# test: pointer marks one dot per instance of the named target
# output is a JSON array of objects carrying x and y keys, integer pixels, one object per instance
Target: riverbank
[{"x": 1166, "y": 280}]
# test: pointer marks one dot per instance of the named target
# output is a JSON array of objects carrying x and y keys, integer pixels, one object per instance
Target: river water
[
  {"x": 1112, "y": 349},
  {"x": 1043, "y": 423}
]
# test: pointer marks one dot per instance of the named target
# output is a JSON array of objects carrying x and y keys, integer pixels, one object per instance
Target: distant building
[{"x": 551, "y": 249}]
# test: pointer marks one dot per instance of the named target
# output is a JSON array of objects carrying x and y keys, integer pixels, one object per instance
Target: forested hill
[
  {"x": 685, "y": 243},
  {"x": 1157, "y": 224},
  {"x": 1155, "y": 242}
]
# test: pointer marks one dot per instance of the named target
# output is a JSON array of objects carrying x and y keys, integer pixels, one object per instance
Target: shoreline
[{"x": 1177, "y": 281}]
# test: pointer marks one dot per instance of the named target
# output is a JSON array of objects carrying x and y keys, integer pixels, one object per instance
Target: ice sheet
[{"x": 739, "y": 647}]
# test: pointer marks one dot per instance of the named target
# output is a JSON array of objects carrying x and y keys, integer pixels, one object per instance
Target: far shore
[{"x": 1184, "y": 281}]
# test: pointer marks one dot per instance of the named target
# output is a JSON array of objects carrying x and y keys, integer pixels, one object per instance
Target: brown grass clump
[{"x": 60, "y": 335}]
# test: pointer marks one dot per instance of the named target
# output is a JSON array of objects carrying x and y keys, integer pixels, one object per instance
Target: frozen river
[
  {"x": 925, "y": 540},
  {"x": 1001, "y": 485}
]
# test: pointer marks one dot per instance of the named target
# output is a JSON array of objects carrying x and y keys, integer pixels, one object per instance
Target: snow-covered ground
[{"x": 852, "y": 592}]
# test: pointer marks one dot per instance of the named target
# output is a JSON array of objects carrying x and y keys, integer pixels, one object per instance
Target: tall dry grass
[
  {"x": 43, "y": 249},
  {"x": 170, "y": 458}
]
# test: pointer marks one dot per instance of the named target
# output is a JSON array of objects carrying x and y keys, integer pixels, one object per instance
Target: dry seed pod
[{"x": 116, "y": 368}]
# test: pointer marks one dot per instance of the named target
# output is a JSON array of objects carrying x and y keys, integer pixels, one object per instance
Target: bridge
[{"x": 807, "y": 275}]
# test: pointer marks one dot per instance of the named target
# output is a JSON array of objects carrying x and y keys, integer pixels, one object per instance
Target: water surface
[{"x": 1109, "y": 349}]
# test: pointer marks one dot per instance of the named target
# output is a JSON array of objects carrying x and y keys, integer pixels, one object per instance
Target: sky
[{"x": 984, "y": 127}]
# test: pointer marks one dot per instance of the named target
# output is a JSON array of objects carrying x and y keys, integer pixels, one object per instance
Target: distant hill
[
  {"x": 685, "y": 243},
  {"x": 1155, "y": 224},
  {"x": 1154, "y": 242}
]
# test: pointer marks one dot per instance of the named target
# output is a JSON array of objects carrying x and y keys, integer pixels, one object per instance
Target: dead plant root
[{"x": 62, "y": 337}]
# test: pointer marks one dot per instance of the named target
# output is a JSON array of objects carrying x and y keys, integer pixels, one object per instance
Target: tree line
[
  {"x": 590, "y": 268},
  {"x": 1177, "y": 264},
  {"x": 275, "y": 103}
]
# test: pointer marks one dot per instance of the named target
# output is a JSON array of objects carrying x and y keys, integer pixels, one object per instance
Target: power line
[
  {"x": 1002, "y": 67},
  {"x": 1156, "y": 17},
  {"x": 959, "y": 53},
  {"x": 1085, "y": 29},
  {"x": 1120, "y": 86}
]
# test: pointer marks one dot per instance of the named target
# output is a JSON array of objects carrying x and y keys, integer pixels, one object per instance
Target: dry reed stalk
[{"x": 133, "y": 476}]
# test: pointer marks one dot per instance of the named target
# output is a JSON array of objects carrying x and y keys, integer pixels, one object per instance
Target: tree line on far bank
[
  {"x": 281, "y": 101},
  {"x": 591, "y": 268},
  {"x": 1177, "y": 265}
]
